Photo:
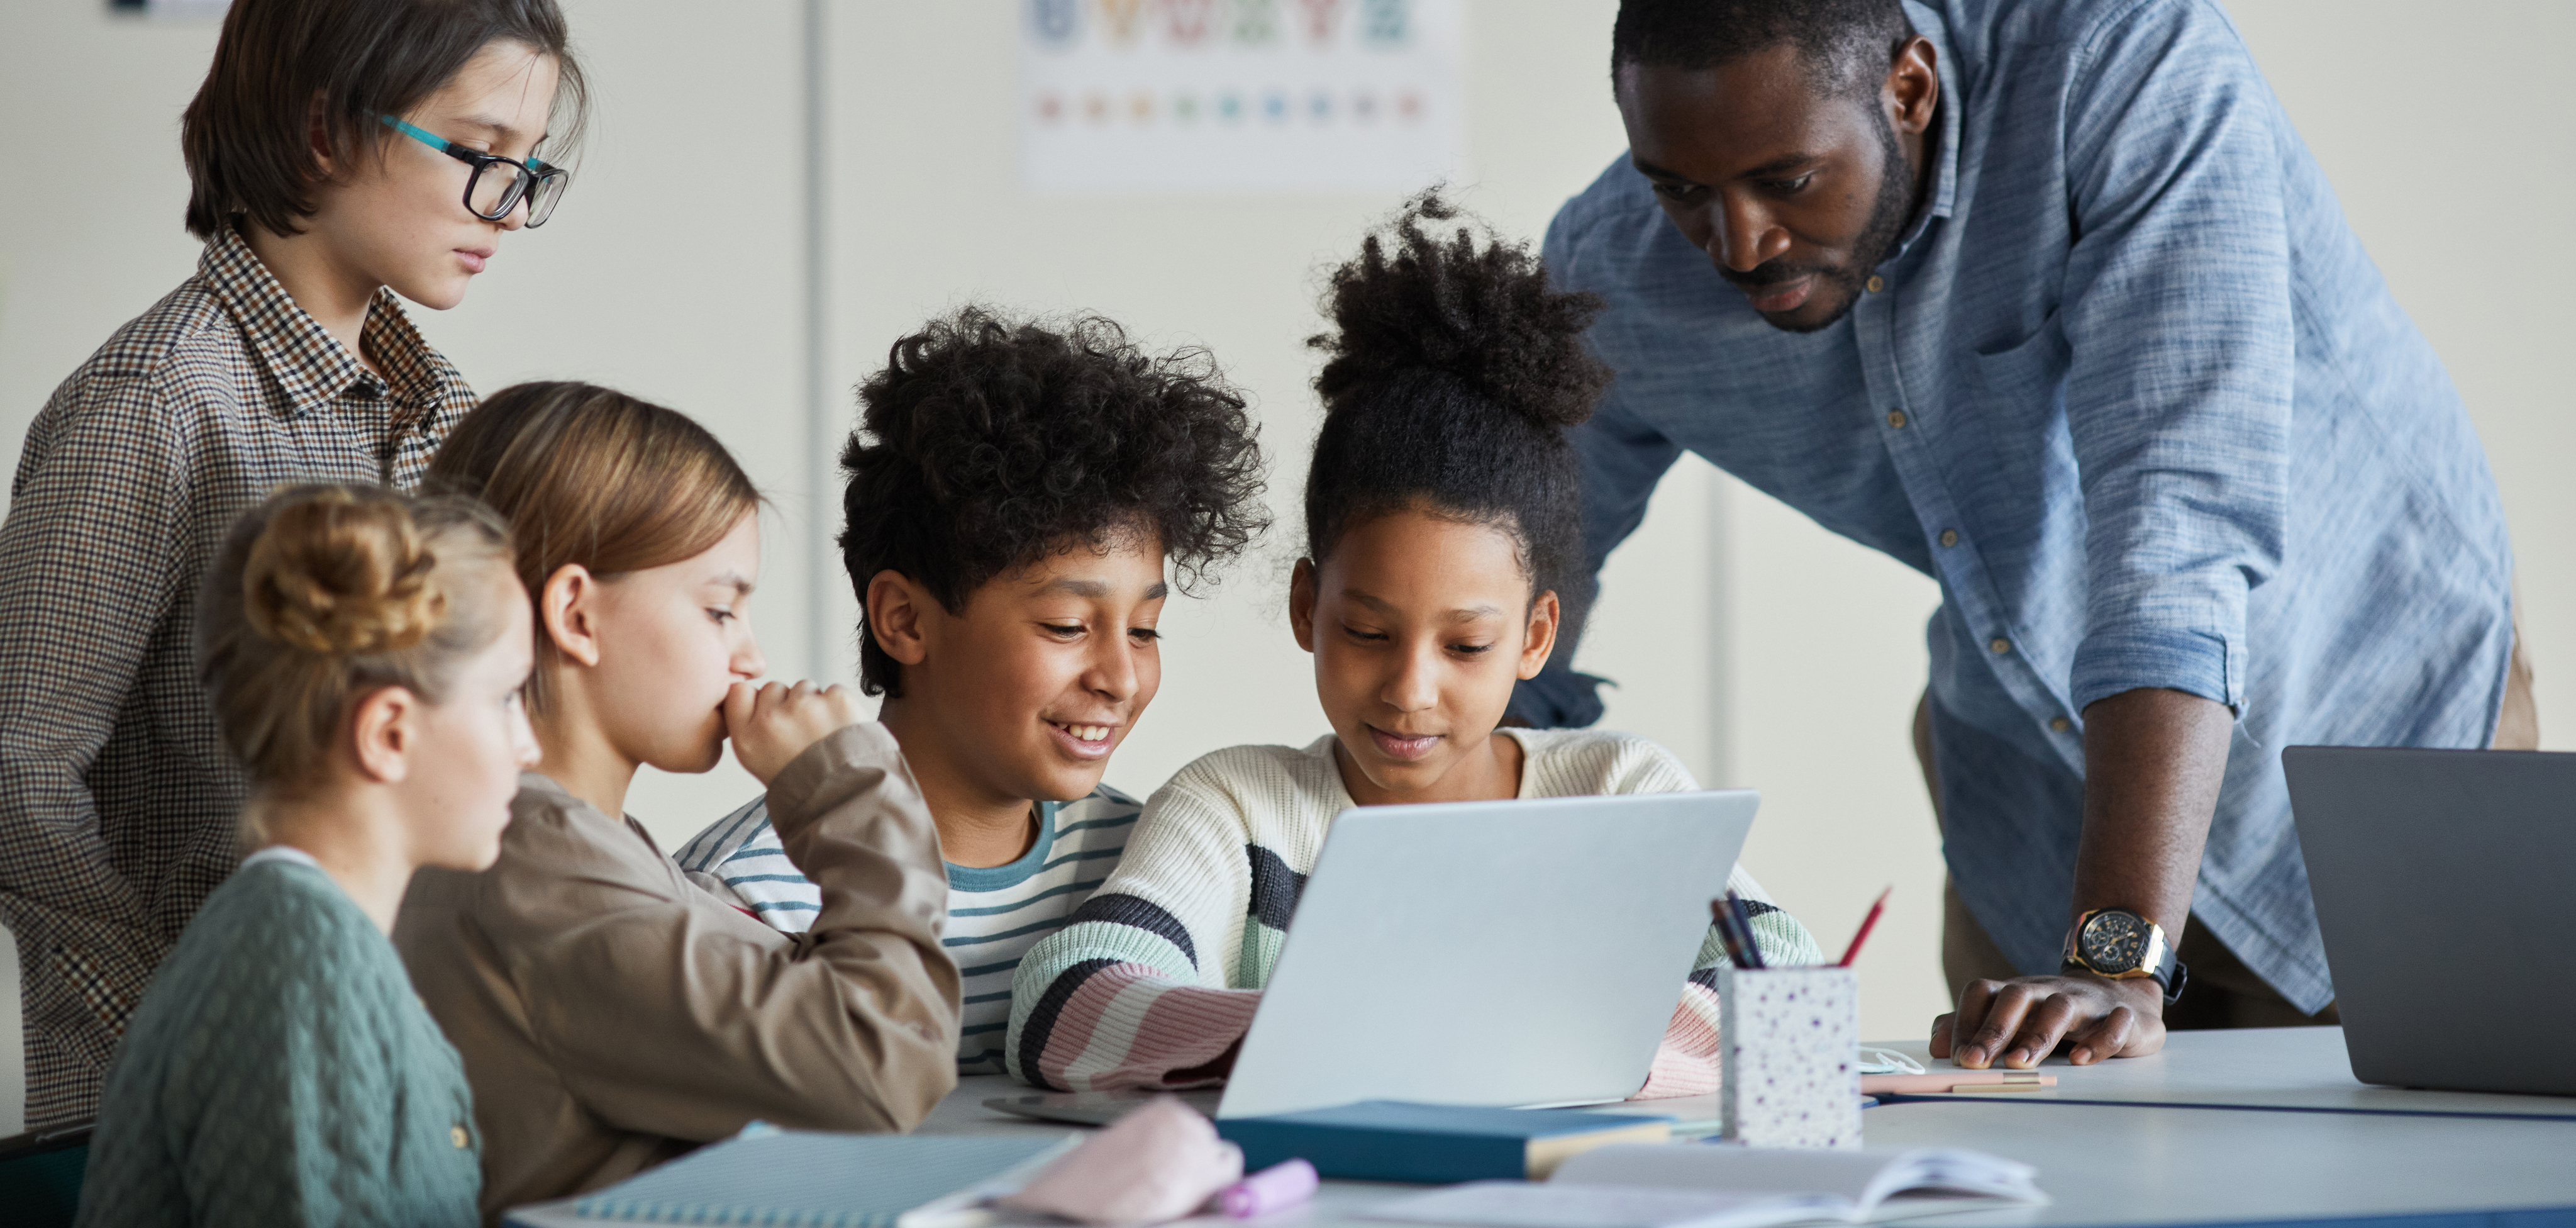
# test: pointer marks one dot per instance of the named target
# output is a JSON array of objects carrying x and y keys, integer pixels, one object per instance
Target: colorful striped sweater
[
  {"x": 995, "y": 913},
  {"x": 1158, "y": 973}
]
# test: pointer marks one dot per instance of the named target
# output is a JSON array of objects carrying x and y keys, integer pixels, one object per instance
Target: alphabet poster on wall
[{"x": 1223, "y": 97}]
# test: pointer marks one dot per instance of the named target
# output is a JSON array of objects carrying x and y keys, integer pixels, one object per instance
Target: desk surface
[
  {"x": 2150, "y": 1161},
  {"x": 2265, "y": 1068}
]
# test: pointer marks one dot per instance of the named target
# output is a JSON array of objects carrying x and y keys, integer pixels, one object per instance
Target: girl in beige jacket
[{"x": 610, "y": 1013}]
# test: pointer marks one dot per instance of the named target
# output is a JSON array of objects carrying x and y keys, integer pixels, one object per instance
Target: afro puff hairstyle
[
  {"x": 988, "y": 444},
  {"x": 1454, "y": 372}
]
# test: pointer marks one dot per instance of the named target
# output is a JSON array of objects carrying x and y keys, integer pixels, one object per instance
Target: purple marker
[{"x": 1276, "y": 1188}]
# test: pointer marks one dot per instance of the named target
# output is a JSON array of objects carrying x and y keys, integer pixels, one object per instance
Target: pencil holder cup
[{"x": 1789, "y": 1046}]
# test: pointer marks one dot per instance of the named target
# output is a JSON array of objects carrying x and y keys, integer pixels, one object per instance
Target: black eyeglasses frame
[{"x": 540, "y": 184}]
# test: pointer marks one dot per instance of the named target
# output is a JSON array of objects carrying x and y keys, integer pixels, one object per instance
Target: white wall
[{"x": 2421, "y": 126}]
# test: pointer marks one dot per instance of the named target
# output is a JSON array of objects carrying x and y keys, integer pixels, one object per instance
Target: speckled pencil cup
[{"x": 1789, "y": 1040}]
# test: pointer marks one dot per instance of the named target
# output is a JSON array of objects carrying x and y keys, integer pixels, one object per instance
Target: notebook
[
  {"x": 1724, "y": 1186},
  {"x": 1392, "y": 1140},
  {"x": 820, "y": 1180}
]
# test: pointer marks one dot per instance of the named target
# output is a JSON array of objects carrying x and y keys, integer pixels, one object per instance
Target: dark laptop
[{"x": 2445, "y": 883}]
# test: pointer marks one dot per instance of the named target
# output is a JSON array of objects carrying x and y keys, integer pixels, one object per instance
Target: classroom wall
[{"x": 1764, "y": 651}]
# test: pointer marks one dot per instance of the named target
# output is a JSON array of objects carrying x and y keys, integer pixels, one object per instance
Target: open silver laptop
[
  {"x": 2441, "y": 879},
  {"x": 1486, "y": 953}
]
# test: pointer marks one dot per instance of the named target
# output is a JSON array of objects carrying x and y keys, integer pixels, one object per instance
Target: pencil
[
  {"x": 1744, "y": 924},
  {"x": 1721, "y": 916},
  {"x": 1866, "y": 923},
  {"x": 1957, "y": 1081}
]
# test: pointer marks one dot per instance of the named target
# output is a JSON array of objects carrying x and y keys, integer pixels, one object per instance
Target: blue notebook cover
[
  {"x": 1393, "y": 1140},
  {"x": 795, "y": 1179}
]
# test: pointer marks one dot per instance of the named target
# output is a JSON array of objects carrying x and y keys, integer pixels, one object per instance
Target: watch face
[{"x": 2113, "y": 941}]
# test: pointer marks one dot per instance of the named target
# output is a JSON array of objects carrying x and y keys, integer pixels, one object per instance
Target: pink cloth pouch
[{"x": 1160, "y": 1162}]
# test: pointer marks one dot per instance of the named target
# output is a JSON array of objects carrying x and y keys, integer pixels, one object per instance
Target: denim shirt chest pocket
[
  {"x": 2016, "y": 376},
  {"x": 2014, "y": 472},
  {"x": 2017, "y": 394}
]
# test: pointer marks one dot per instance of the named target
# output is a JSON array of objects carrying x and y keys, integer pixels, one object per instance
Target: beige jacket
[{"x": 613, "y": 1015}]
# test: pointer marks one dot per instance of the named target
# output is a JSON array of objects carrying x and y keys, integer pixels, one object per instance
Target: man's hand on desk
[
  {"x": 2020, "y": 1021},
  {"x": 2153, "y": 763}
]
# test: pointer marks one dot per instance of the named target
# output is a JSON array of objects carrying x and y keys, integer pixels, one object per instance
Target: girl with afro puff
[
  {"x": 1443, "y": 552},
  {"x": 1016, "y": 490}
]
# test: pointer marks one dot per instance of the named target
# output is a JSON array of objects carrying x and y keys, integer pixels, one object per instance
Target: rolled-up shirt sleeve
[{"x": 2177, "y": 318}]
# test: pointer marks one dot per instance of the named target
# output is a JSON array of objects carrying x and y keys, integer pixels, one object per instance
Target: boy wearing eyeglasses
[{"x": 341, "y": 155}]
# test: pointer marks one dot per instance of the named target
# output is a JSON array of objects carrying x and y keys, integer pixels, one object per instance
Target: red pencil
[{"x": 1865, "y": 924}]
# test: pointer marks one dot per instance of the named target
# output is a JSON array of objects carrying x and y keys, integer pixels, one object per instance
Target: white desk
[
  {"x": 2266, "y": 1068},
  {"x": 2141, "y": 1163}
]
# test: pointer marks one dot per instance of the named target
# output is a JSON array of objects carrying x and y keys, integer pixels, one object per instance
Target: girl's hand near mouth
[{"x": 770, "y": 725}]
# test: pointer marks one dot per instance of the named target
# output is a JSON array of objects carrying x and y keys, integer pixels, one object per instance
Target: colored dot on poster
[
  {"x": 1384, "y": 20},
  {"x": 1319, "y": 106},
  {"x": 1050, "y": 108},
  {"x": 1056, "y": 21},
  {"x": 1320, "y": 18},
  {"x": 1185, "y": 108},
  {"x": 1364, "y": 106},
  {"x": 1096, "y": 108},
  {"x": 1140, "y": 107},
  {"x": 1256, "y": 21},
  {"x": 1188, "y": 20},
  {"x": 1409, "y": 105},
  {"x": 1274, "y": 107},
  {"x": 1123, "y": 18},
  {"x": 1230, "y": 107}
]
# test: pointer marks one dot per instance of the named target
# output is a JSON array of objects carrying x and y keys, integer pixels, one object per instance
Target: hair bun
[
  {"x": 1473, "y": 307},
  {"x": 340, "y": 576}
]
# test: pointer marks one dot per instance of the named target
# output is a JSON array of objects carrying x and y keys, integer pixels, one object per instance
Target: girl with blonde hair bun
[
  {"x": 611, "y": 1013},
  {"x": 364, "y": 651}
]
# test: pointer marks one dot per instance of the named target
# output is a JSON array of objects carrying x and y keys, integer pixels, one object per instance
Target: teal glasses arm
[
  {"x": 442, "y": 144},
  {"x": 439, "y": 143}
]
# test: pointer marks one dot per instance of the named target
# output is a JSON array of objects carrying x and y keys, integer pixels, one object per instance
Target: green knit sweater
[{"x": 281, "y": 1072}]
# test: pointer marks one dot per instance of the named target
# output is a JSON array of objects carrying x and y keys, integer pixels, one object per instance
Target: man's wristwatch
[{"x": 2119, "y": 944}]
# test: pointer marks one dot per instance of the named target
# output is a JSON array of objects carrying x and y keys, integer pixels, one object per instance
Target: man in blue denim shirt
[{"x": 2049, "y": 302}]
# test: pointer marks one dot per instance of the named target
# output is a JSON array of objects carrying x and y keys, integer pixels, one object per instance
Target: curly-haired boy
[{"x": 1015, "y": 492}]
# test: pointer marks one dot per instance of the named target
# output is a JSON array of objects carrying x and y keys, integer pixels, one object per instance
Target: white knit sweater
[{"x": 1203, "y": 896}]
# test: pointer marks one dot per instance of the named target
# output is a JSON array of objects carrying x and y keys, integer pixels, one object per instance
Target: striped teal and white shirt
[{"x": 995, "y": 913}]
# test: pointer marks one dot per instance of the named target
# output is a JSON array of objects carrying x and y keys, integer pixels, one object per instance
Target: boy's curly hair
[
  {"x": 1453, "y": 373},
  {"x": 988, "y": 444}
]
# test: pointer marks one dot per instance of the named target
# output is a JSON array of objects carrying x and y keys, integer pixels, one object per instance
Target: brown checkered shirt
[{"x": 117, "y": 800}]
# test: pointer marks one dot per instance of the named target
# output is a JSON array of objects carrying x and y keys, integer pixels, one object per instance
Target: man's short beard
[{"x": 1887, "y": 220}]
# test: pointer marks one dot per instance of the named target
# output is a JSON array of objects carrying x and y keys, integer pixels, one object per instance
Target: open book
[{"x": 1701, "y": 1185}]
